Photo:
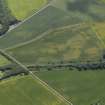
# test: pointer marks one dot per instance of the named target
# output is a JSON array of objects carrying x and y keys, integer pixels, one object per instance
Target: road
[{"x": 44, "y": 84}]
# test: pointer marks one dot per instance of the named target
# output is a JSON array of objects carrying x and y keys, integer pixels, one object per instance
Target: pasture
[
  {"x": 26, "y": 91},
  {"x": 31, "y": 28},
  {"x": 60, "y": 32},
  {"x": 80, "y": 87},
  {"x": 3, "y": 61},
  {"x": 88, "y": 11},
  {"x": 24, "y": 8},
  {"x": 63, "y": 44}
]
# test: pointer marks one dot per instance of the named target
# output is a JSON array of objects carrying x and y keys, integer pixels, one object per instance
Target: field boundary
[
  {"x": 30, "y": 41},
  {"x": 102, "y": 42},
  {"x": 19, "y": 24},
  {"x": 42, "y": 35},
  {"x": 12, "y": 79},
  {"x": 41, "y": 82}
]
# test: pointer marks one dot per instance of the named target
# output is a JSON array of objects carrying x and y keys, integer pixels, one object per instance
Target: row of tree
[
  {"x": 12, "y": 70},
  {"x": 99, "y": 65}
]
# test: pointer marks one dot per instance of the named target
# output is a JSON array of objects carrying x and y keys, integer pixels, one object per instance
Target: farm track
[
  {"x": 45, "y": 34},
  {"x": 44, "y": 84},
  {"x": 30, "y": 41},
  {"x": 70, "y": 26}
]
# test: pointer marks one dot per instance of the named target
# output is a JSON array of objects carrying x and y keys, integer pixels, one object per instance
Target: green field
[
  {"x": 42, "y": 22},
  {"x": 26, "y": 91},
  {"x": 87, "y": 10},
  {"x": 28, "y": 30},
  {"x": 24, "y": 8},
  {"x": 3, "y": 61},
  {"x": 65, "y": 30},
  {"x": 82, "y": 88},
  {"x": 63, "y": 44},
  {"x": 100, "y": 30}
]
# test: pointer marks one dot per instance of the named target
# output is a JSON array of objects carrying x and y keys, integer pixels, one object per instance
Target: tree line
[
  {"x": 6, "y": 17},
  {"x": 13, "y": 70}
]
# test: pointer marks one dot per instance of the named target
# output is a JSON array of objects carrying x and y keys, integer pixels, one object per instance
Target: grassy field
[
  {"x": 35, "y": 26},
  {"x": 82, "y": 88},
  {"x": 61, "y": 32},
  {"x": 100, "y": 29},
  {"x": 3, "y": 61},
  {"x": 43, "y": 20},
  {"x": 24, "y": 8},
  {"x": 83, "y": 9},
  {"x": 26, "y": 91},
  {"x": 65, "y": 44}
]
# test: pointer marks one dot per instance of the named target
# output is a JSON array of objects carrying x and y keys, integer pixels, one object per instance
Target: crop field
[
  {"x": 63, "y": 44},
  {"x": 16, "y": 91},
  {"x": 57, "y": 34},
  {"x": 43, "y": 22},
  {"x": 24, "y": 8},
  {"x": 28, "y": 30},
  {"x": 82, "y": 88}
]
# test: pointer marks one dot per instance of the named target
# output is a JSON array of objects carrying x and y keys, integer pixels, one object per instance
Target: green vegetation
[
  {"x": 87, "y": 10},
  {"x": 42, "y": 21},
  {"x": 81, "y": 88},
  {"x": 35, "y": 26},
  {"x": 5, "y": 13},
  {"x": 6, "y": 18},
  {"x": 26, "y": 91},
  {"x": 3, "y": 61},
  {"x": 100, "y": 30},
  {"x": 65, "y": 30},
  {"x": 12, "y": 10},
  {"x": 63, "y": 44},
  {"x": 24, "y": 8}
]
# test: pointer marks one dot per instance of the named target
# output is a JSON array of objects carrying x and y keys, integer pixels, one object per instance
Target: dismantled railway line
[
  {"x": 41, "y": 82},
  {"x": 59, "y": 66}
]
